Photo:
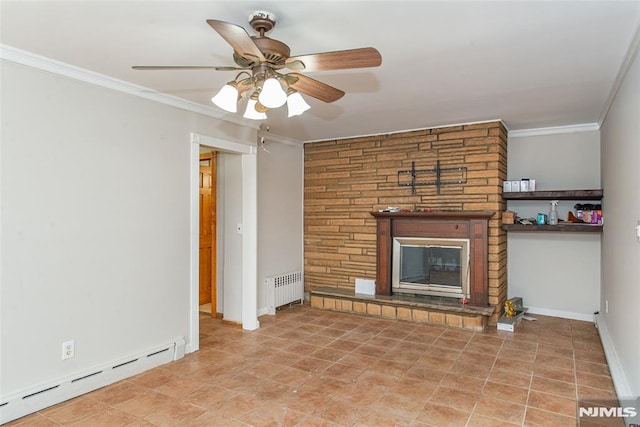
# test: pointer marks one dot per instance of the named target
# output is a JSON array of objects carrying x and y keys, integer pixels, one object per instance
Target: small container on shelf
[
  {"x": 508, "y": 217},
  {"x": 553, "y": 213},
  {"x": 589, "y": 213},
  {"x": 532, "y": 185},
  {"x": 527, "y": 184}
]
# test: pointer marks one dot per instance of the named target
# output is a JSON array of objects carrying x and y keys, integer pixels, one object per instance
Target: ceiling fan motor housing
[
  {"x": 274, "y": 51},
  {"x": 262, "y": 21}
]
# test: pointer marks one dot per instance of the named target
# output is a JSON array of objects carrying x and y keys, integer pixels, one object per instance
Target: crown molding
[
  {"x": 585, "y": 127},
  {"x": 632, "y": 52},
  {"x": 43, "y": 63},
  {"x": 410, "y": 130}
]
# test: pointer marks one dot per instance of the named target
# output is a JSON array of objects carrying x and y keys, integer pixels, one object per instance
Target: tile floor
[{"x": 311, "y": 367}]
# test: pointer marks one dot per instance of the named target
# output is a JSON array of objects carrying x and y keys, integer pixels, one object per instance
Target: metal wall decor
[{"x": 444, "y": 176}]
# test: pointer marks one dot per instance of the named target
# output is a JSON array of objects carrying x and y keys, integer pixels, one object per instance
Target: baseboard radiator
[
  {"x": 285, "y": 289},
  {"x": 53, "y": 392}
]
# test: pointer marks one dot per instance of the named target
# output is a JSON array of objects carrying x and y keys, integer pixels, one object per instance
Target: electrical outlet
[
  {"x": 606, "y": 306},
  {"x": 68, "y": 349}
]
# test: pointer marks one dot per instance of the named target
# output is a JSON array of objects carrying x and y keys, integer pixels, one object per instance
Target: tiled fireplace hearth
[{"x": 403, "y": 307}]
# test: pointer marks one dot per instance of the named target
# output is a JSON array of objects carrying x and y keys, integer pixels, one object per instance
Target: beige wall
[
  {"x": 280, "y": 214},
  {"x": 620, "y": 245},
  {"x": 95, "y": 224}
]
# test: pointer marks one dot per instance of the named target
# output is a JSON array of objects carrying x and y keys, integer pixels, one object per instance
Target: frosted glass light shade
[
  {"x": 252, "y": 113},
  {"x": 227, "y": 98},
  {"x": 296, "y": 104},
  {"x": 272, "y": 95}
]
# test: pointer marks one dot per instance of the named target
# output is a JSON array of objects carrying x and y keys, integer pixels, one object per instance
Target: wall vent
[
  {"x": 86, "y": 376},
  {"x": 32, "y": 400},
  {"x": 39, "y": 392},
  {"x": 120, "y": 365}
]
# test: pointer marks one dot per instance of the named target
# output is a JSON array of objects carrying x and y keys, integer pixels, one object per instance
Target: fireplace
[
  {"x": 438, "y": 267},
  {"x": 433, "y": 253}
]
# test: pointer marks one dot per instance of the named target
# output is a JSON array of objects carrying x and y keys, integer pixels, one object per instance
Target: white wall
[
  {"x": 556, "y": 274},
  {"x": 620, "y": 327},
  {"x": 95, "y": 193},
  {"x": 230, "y": 205},
  {"x": 280, "y": 198}
]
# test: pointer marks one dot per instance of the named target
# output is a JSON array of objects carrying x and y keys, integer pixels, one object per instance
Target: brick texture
[
  {"x": 345, "y": 180},
  {"x": 476, "y": 323}
]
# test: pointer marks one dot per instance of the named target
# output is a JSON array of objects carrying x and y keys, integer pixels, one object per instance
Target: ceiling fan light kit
[
  {"x": 272, "y": 95},
  {"x": 227, "y": 97},
  {"x": 265, "y": 87},
  {"x": 296, "y": 104},
  {"x": 255, "y": 110}
]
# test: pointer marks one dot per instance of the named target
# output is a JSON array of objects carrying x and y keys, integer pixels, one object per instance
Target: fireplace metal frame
[{"x": 432, "y": 289}]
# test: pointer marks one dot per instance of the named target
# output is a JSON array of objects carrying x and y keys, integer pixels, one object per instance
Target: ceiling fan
[{"x": 264, "y": 60}]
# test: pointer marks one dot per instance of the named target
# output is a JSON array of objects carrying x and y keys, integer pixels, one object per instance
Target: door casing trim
[{"x": 249, "y": 233}]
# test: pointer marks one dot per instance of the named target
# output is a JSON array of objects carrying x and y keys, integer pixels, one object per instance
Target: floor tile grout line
[
  {"x": 485, "y": 384},
  {"x": 546, "y": 334},
  {"x": 526, "y": 405}
]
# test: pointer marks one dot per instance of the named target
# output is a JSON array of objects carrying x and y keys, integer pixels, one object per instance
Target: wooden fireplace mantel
[{"x": 472, "y": 225}]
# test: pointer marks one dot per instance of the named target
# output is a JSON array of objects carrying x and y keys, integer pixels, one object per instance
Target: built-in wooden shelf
[
  {"x": 566, "y": 227},
  {"x": 559, "y": 228},
  {"x": 554, "y": 195}
]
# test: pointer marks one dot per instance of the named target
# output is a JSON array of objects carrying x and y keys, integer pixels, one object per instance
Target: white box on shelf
[{"x": 506, "y": 187}]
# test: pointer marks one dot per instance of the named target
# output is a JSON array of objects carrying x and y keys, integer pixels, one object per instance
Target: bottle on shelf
[{"x": 553, "y": 213}]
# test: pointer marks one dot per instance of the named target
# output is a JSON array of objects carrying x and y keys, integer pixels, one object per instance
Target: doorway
[
  {"x": 246, "y": 306},
  {"x": 207, "y": 295}
]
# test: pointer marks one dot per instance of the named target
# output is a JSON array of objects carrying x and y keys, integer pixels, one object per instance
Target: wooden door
[{"x": 208, "y": 230}]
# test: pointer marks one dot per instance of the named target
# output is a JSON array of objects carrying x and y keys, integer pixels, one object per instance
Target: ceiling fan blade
[
  {"x": 186, "y": 67},
  {"x": 237, "y": 37},
  {"x": 316, "y": 89},
  {"x": 339, "y": 60}
]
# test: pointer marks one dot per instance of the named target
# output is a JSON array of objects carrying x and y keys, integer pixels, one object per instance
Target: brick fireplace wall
[{"x": 345, "y": 180}]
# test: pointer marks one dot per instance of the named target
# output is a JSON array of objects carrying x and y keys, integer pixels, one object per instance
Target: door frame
[
  {"x": 249, "y": 234},
  {"x": 212, "y": 157}
]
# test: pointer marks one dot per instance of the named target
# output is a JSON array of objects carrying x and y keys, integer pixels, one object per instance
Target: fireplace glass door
[{"x": 436, "y": 267}]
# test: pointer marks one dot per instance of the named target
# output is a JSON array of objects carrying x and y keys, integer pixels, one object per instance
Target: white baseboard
[
  {"x": 560, "y": 313},
  {"x": 41, "y": 396},
  {"x": 620, "y": 383}
]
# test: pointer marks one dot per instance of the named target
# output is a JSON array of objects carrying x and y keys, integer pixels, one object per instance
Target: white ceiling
[{"x": 532, "y": 64}]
